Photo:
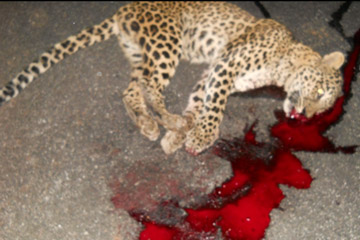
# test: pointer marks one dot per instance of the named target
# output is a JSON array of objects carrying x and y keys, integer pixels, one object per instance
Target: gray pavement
[{"x": 66, "y": 140}]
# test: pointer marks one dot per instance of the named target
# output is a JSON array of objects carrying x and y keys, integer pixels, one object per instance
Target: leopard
[{"x": 242, "y": 53}]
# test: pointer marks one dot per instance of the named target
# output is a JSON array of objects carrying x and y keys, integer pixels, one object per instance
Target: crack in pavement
[
  {"x": 263, "y": 10},
  {"x": 336, "y": 21}
]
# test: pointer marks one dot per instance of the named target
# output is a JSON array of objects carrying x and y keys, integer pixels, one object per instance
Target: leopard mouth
[{"x": 298, "y": 116}]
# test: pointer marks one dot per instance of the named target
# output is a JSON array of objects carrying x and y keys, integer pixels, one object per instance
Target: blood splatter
[{"x": 240, "y": 208}]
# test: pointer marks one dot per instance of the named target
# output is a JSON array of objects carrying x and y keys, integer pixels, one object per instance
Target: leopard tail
[{"x": 55, "y": 54}]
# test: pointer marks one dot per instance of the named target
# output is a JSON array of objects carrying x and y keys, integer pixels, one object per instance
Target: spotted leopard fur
[{"x": 243, "y": 53}]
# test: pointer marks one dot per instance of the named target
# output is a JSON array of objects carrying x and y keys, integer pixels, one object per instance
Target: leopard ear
[{"x": 334, "y": 59}]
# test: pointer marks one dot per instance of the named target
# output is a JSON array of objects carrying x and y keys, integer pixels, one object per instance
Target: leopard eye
[{"x": 320, "y": 93}]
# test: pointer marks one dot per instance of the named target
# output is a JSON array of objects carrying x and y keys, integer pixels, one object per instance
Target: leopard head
[{"x": 314, "y": 88}]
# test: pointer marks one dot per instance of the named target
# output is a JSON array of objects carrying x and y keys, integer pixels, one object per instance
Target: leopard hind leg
[
  {"x": 133, "y": 96},
  {"x": 137, "y": 110}
]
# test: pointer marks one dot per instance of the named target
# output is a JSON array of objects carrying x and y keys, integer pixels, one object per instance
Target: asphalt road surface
[{"x": 66, "y": 139}]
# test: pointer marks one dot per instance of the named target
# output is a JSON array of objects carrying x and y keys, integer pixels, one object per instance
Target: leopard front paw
[
  {"x": 172, "y": 141},
  {"x": 148, "y": 127},
  {"x": 199, "y": 139}
]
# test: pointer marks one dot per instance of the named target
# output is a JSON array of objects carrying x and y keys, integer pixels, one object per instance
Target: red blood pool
[
  {"x": 157, "y": 232},
  {"x": 240, "y": 208}
]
